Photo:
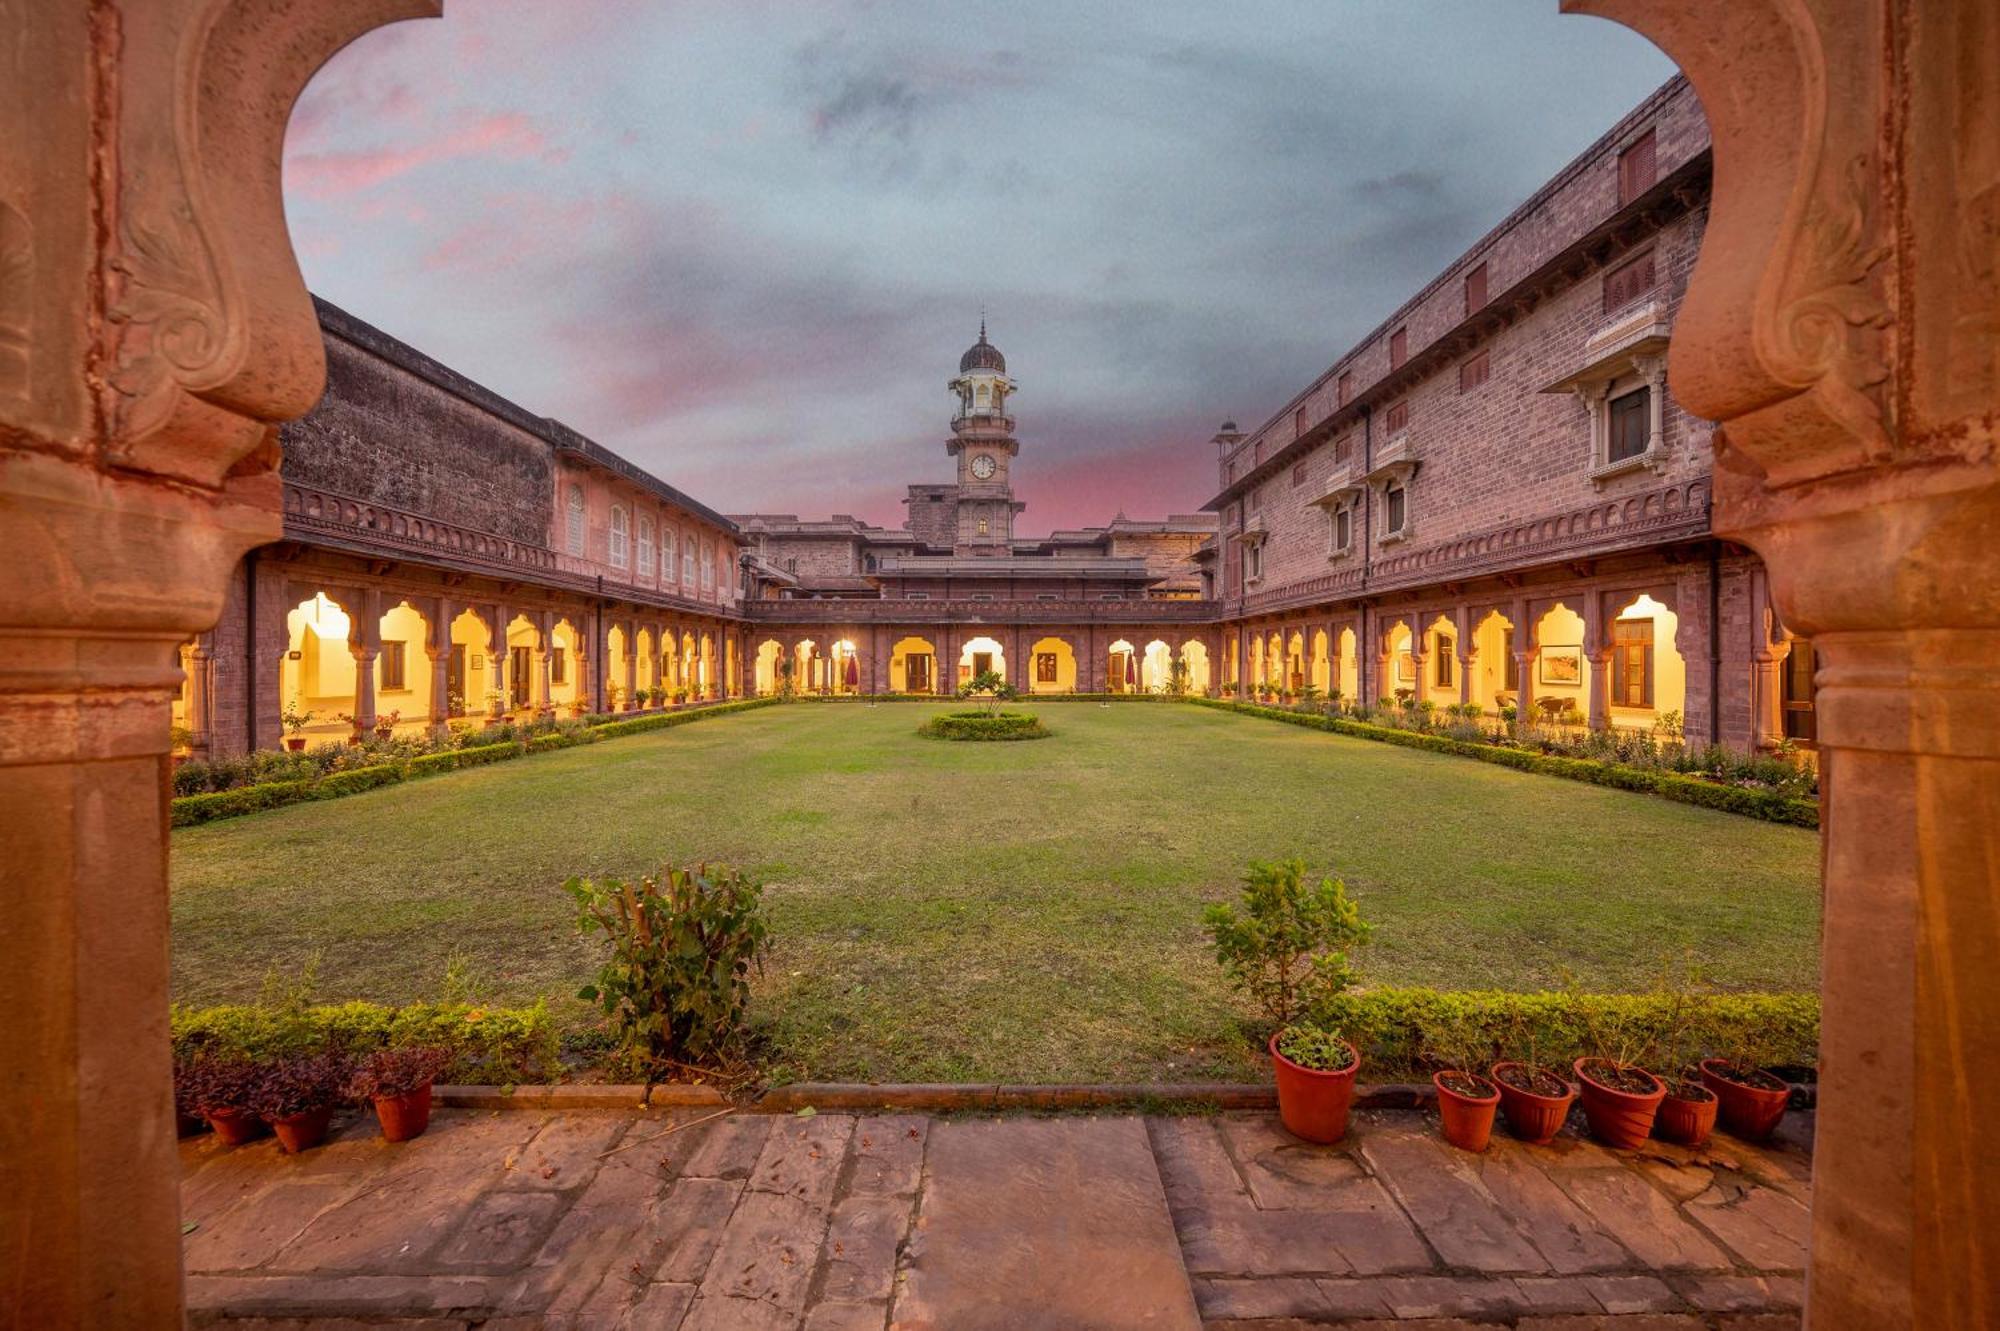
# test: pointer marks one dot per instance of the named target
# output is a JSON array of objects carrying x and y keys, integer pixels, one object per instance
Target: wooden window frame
[
  {"x": 1632, "y": 651},
  {"x": 1474, "y": 371},
  {"x": 395, "y": 666},
  {"x": 1397, "y": 418},
  {"x": 1635, "y": 404},
  {"x": 1638, "y": 167},
  {"x": 1630, "y": 281},
  {"x": 1476, "y": 295},
  {"x": 1399, "y": 347}
]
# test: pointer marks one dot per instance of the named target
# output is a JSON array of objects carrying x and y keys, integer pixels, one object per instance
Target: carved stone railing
[
  {"x": 319, "y": 516},
  {"x": 1672, "y": 512},
  {"x": 981, "y": 612}
]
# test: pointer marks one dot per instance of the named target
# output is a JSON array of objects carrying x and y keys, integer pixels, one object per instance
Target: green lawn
[{"x": 1026, "y": 911}]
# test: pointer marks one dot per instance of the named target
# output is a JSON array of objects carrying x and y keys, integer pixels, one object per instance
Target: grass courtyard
[{"x": 1016, "y": 912}]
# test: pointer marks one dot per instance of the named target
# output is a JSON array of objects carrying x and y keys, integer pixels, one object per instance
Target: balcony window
[
  {"x": 1395, "y": 509},
  {"x": 645, "y": 547},
  {"x": 574, "y": 532},
  {"x": 620, "y": 535},
  {"x": 1630, "y": 421}
]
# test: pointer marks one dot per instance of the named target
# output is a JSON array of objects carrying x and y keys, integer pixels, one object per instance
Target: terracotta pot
[
  {"x": 1687, "y": 1122},
  {"x": 1619, "y": 1119},
  {"x": 1749, "y": 1112},
  {"x": 233, "y": 1127},
  {"x": 1468, "y": 1120},
  {"x": 296, "y": 743},
  {"x": 404, "y": 1116},
  {"x": 1313, "y": 1104},
  {"x": 302, "y": 1132},
  {"x": 1535, "y": 1119}
]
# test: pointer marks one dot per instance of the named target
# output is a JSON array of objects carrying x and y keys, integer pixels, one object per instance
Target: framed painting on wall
[
  {"x": 1562, "y": 665},
  {"x": 1406, "y": 668}
]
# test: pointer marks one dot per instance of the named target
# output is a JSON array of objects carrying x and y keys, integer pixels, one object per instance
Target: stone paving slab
[{"x": 626, "y": 1219}]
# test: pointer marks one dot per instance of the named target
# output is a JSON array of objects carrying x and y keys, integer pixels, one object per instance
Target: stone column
[
  {"x": 630, "y": 630},
  {"x": 544, "y": 686},
  {"x": 155, "y": 331},
  {"x": 200, "y": 693},
  {"x": 364, "y": 642},
  {"x": 1842, "y": 326}
]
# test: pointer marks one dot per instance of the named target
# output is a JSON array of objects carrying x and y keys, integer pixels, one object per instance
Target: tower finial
[{"x": 982, "y": 321}]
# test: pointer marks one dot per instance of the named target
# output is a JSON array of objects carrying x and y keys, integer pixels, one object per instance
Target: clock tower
[{"x": 982, "y": 439}]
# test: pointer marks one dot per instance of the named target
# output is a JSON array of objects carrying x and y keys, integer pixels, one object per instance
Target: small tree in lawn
[
  {"x": 677, "y": 983},
  {"x": 989, "y": 685},
  {"x": 1286, "y": 943}
]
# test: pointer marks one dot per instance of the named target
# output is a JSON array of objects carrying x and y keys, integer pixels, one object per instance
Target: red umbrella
[
  {"x": 1131, "y": 671},
  {"x": 853, "y": 673}
]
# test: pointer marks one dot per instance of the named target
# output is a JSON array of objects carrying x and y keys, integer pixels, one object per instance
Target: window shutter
[
  {"x": 1636, "y": 171},
  {"x": 1399, "y": 348},
  {"x": 1472, "y": 372},
  {"x": 1475, "y": 289},
  {"x": 1346, "y": 388},
  {"x": 1397, "y": 417}
]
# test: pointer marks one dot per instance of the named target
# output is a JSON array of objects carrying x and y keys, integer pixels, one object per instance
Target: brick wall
[{"x": 384, "y": 434}]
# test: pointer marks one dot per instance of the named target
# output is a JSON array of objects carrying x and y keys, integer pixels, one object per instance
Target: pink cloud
[{"x": 508, "y": 136}]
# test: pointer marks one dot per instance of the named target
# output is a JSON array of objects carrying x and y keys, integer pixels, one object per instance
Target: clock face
[{"x": 982, "y": 466}]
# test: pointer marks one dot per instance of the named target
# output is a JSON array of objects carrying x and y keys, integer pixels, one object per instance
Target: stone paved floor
[{"x": 586, "y": 1219}]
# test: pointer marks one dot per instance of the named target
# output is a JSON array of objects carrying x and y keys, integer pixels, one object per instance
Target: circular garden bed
[{"x": 985, "y": 725}]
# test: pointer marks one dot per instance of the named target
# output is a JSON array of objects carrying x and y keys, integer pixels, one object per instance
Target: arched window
[
  {"x": 575, "y": 532},
  {"x": 687, "y": 561},
  {"x": 619, "y": 536},
  {"x": 707, "y": 565},
  {"x": 645, "y": 546}
]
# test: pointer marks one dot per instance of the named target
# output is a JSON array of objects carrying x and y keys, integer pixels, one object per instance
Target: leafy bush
[
  {"x": 682, "y": 945},
  {"x": 214, "y": 1085},
  {"x": 1287, "y": 948},
  {"x": 1413, "y": 1030},
  {"x": 397, "y": 1070},
  {"x": 296, "y": 1083},
  {"x": 479, "y": 754},
  {"x": 985, "y": 726},
  {"x": 1315, "y": 1047}
]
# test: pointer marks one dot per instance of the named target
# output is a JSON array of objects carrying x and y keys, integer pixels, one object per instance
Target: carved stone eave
[
  {"x": 212, "y": 335},
  {"x": 1782, "y": 327}
]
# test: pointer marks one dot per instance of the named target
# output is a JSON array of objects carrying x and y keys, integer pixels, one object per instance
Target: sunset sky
[{"x": 743, "y": 243}]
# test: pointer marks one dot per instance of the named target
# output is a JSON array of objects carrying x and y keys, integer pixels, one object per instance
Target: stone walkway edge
[{"x": 937, "y": 1097}]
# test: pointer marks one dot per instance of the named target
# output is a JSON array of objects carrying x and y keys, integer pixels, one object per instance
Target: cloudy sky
[{"x": 743, "y": 242}]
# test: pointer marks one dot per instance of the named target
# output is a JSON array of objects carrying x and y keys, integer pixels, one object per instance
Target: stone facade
[{"x": 1500, "y": 470}]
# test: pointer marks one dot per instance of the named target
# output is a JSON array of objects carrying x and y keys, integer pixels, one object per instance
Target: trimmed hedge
[
  {"x": 488, "y": 753},
  {"x": 1398, "y": 1030},
  {"x": 952, "y": 697},
  {"x": 1765, "y": 804},
  {"x": 664, "y": 720},
  {"x": 191, "y": 809},
  {"x": 355, "y": 780},
  {"x": 489, "y": 1045},
  {"x": 984, "y": 726}
]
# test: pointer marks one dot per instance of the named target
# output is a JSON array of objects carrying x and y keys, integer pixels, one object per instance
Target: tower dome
[{"x": 982, "y": 355}]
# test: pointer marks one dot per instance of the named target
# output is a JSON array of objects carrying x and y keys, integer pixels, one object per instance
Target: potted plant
[
  {"x": 1466, "y": 1099},
  {"x": 1315, "y": 1071},
  {"x": 1287, "y": 948},
  {"x": 297, "y": 1093},
  {"x": 1620, "y": 1100},
  {"x": 398, "y": 1082},
  {"x": 1534, "y": 1098},
  {"x": 1752, "y": 1101},
  {"x": 1687, "y": 1112},
  {"x": 295, "y": 723},
  {"x": 353, "y": 726},
  {"x": 385, "y": 725},
  {"x": 496, "y": 703},
  {"x": 220, "y": 1090}
]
